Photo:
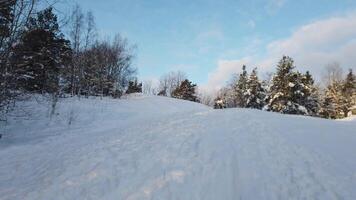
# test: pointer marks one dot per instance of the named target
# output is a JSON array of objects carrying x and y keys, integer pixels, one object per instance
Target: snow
[
  {"x": 290, "y": 84},
  {"x": 146, "y": 147},
  {"x": 351, "y": 118}
]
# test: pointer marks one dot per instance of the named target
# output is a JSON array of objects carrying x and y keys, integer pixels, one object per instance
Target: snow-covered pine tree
[
  {"x": 255, "y": 93},
  {"x": 300, "y": 101},
  {"x": 241, "y": 89},
  {"x": 331, "y": 105},
  {"x": 186, "y": 91},
  {"x": 41, "y": 55},
  {"x": 348, "y": 93},
  {"x": 279, "y": 91},
  {"x": 291, "y": 92},
  {"x": 310, "y": 99},
  {"x": 219, "y": 103}
]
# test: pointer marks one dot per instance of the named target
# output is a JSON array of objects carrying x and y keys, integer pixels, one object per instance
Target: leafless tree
[
  {"x": 149, "y": 88},
  {"x": 76, "y": 35},
  {"x": 90, "y": 32},
  {"x": 170, "y": 81},
  {"x": 332, "y": 74}
]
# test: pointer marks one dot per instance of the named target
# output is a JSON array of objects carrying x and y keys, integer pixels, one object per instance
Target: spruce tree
[
  {"x": 255, "y": 93},
  {"x": 310, "y": 98},
  {"x": 186, "y": 91},
  {"x": 241, "y": 88},
  {"x": 348, "y": 93},
  {"x": 41, "y": 55},
  {"x": 134, "y": 87},
  {"x": 331, "y": 106},
  {"x": 292, "y": 92},
  {"x": 279, "y": 94}
]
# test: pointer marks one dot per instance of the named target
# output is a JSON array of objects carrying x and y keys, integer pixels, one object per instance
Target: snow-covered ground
[{"x": 162, "y": 148}]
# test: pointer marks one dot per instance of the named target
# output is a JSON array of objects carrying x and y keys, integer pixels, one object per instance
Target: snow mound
[
  {"x": 351, "y": 118},
  {"x": 145, "y": 147}
]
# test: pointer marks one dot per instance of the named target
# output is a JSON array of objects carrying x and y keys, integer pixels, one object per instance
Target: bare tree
[
  {"x": 170, "y": 81},
  {"x": 76, "y": 28},
  {"x": 76, "y": 36},
  {"x": 205, "y": 97},
  {"x": 148, "y": 87},
  {"x": 332, "y": 74},
  {"x": 90, "y": 32}
]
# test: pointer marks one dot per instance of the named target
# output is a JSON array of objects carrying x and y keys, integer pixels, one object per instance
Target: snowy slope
[{"x": 162, "y": 148}]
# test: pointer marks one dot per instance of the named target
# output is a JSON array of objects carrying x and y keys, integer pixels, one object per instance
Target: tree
[
  {"x": 148, "y": 87},
  {"x": 291, "y": 92},
  {"x": 107, "y": 68},
  {"x": 255, "y": 93},
  {"x": 241, "y": 88},
  {"x": 14, "y": 15},
  {"x": 299, "y": 93},
  {"x": 186, "y": 91},
  {"x": 41, "y": 55},
  {"x": 333, "y": 97},
  {"x": 278, "y": 96},
  {"x": 332, "y": 74},
  {"x": 76, "y": 37},
  {"x": 331, "y": 105},
  {"x": 219, "y": 103},
  {"x": 310, "y": 97},
  {"x": 6, "y": 18},
  {"x": 228, "y": 93},
  {"x": 170, "y": 81},
  {"x": 134, "y": 87},
  {"x": 348, "y": 93}
]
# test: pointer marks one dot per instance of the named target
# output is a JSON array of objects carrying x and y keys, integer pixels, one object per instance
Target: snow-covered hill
[{"x": 162, "y": 148}]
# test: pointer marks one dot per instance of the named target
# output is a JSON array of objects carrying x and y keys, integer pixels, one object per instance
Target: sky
[{"x": 211, "y": 39}]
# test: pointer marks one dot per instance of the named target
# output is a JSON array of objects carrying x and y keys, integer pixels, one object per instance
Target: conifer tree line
[
  {"x": 292, "y": 92},
  {"x": 41, "y": 56}
]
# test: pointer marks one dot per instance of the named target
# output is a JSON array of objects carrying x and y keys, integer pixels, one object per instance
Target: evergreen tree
[
  {"x": 41, "y": 55},
  {"x": 255, "y": 93},
  {"x": 278, "y": 96},
  {"x": 348, "y": 93},
  {"x": 297, "y": 96},
  {"x": 6, "y": 75},
  {"x": 186, "y": 91},
  {"x": 6, "y": 18},
  {"x": 241, "y": 88},
  {"x": 331, "y": 105},
  {"x": 292, "y": 92},
  {"x": 134, "y": 87},
  {"x": 310, "y": 99}
]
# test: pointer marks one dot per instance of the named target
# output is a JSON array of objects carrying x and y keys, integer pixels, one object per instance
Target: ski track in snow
[{"x": 179, "y": 150}]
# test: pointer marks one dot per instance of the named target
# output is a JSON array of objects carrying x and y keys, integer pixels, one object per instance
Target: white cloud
[
  {"x": 312, "y": 46},
  {"x": 316, "y": 44},
  {"x": 222, "y": 73}
]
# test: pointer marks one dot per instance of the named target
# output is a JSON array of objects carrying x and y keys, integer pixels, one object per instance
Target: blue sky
[{"x": 210, "y": 39}]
